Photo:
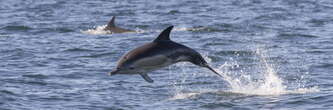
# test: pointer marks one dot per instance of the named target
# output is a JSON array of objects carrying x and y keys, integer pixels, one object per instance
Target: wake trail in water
[{"x": 99, "y": 30}]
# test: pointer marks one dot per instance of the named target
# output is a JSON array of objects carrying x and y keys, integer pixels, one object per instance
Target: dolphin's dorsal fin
[
  {"x": 165, "y": 35},
  {"x": 111, "y": 23}
]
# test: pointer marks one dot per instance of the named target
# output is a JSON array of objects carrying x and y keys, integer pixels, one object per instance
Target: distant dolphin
[
  {"x": 157, "y": 54},
  {"x": 114, "y": 29}
]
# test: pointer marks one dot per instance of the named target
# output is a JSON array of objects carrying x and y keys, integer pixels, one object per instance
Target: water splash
[
  {"x": 262, "y": 79},
  {"x": 269, "y": 84}
]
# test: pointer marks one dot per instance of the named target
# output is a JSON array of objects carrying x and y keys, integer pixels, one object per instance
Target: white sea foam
[
  {"x": 99, "y": 30},
  {"x": 96, "y": 31},
  {"x": 183, "y": 95}
]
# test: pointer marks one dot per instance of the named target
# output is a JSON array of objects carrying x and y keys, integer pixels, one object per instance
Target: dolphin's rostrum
[
  {"x": 114, "y": 29},
  {"x": 157, "y": 54}
]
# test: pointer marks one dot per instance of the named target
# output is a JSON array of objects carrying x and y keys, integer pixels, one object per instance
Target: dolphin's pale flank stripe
[{"x": 153, "y": 61}]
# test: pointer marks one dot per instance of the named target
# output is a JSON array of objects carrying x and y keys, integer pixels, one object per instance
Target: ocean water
[{"x": 272, "y": 54}]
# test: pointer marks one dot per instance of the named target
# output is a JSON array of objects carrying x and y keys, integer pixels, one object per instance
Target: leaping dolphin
[
  {"x": 114, "y": 29},
  {"x": 157, "y": 54}
]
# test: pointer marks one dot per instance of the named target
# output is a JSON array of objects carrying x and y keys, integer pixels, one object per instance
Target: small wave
[
  {"x": 64, "y": 30},
  {"x": 244, "y": 92},
  {"x": 316, "y": 51},
  {"x": 324, "y": 65},
  {"x": 7, "y": 92},
  {"x": 192, "y": 29},
  {"x": 235, "y": 52},
  {"x": 318, "y": 22},
  {"x": 173, "y": 12},
  {"x": 286, "y": 35},
  {"x": 4, "y": 35},
  {"x": 17, "y": 28},
  {"x": 77, "y": 50},
  {"x": 99, "y": 55},
  {"x": 37, "y": 76},
  {"x": 40, "y": 83},
  {"x": 303, "y": 90},
  {"x": 187, "y": 95},
  {"x": 266, "y": 91}
]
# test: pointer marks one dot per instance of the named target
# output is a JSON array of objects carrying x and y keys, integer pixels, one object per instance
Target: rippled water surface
[{"x": 273, "y": 54}]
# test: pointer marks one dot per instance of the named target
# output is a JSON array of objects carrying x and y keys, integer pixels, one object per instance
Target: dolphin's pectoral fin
[{"x": 146, "y": 77}]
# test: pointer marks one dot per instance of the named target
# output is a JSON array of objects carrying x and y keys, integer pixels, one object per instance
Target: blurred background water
[{"x": 273, "y": 54}]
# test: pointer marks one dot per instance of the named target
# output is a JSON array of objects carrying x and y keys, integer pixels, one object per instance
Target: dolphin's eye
[{"x": 131, "y": 68}]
